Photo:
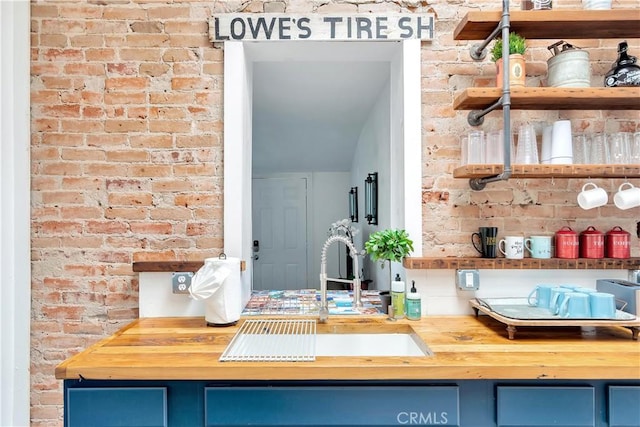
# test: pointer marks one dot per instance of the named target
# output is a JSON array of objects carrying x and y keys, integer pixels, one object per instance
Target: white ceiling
[{"x": 310, "y": 104}]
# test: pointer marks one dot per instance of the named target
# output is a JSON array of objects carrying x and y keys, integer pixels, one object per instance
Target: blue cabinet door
[
  {"x": 546, "y": 406},
  {"x": 116, "y": 407},
  {"x": 327, "y": 406},
  {"x": 624, "y": 406}
]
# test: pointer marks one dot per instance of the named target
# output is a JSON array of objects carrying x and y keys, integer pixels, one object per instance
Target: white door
[{"x": 279, "y": 233}]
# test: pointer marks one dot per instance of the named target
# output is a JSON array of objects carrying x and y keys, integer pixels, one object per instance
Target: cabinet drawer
[
  {"x": 624, "y": 406},
  {"x": 546, "y": 406},
  {"x": 116, "y": 407},
  {"x": 332, "y": 406}
]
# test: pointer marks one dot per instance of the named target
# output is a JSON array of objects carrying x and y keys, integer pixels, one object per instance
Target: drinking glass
[
  {"x": 581, "y": 148},
  {"x": 619, "y": 148},
  {"x": 494, "y": 148},
  {"x": 527, "y": 150},
  {"x": 599, "y": 150},
  {"x": 476, "y": 149},
  {"x": 464, "y": 148},
  {"x": 635, "y": 149}
]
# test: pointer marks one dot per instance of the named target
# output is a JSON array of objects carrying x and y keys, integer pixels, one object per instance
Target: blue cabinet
[
  {"x": 345, "y": 406},
  {"x": 374, "y": 403},
  {"x": 116, "y": 407},
  {"x": 624, "y": 406},
  {"x": 546, "y": 406}
]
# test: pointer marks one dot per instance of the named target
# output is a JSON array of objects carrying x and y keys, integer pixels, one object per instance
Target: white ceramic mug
[
  {"x": 627, "y": 198},
  {"x": 593, "y": 197},
  {"x": 512, "y": 247}
]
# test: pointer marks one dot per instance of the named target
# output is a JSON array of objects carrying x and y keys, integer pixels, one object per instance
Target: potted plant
[
  {"x": 388, "y": 245},
  {"x": 517, "y": 47}
]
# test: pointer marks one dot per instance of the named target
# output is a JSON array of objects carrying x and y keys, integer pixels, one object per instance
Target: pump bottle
[{"x": 397, "y": 297}]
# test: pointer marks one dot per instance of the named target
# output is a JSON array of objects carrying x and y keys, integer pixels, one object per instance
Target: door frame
[
  {"x": 238, "y": 78},
  {"x": 309, "y": 208}
]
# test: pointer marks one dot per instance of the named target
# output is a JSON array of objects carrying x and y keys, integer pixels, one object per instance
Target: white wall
[
  {"x": 372, "y": 155},
  {"x": 15, "y": 276},
  {"x": 330, "y": 203}
]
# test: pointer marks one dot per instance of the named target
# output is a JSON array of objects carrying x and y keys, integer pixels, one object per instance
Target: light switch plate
[
  {"x": 468, "y": 280},
  {"x": 181, "y": 282}
]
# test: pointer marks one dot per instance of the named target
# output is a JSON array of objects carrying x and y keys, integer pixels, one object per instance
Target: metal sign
[{"x": 275, "y": 26}]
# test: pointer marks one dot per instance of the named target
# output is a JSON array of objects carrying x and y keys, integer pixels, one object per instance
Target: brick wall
[{"x": 127, "y": 156}]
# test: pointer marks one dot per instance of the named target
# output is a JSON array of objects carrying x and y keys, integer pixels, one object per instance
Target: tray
[{"x": 515, "y": 312}]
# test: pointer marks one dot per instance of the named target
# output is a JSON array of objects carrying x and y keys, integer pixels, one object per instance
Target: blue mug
[
  {"x": 603, "y": 305},
  {"x": 575, "y": 305},
  {"x": 540, "y": 296}
]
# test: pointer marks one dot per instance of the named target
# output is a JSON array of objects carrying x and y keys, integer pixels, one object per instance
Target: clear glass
[
  {"x": 599, "y": 152},
  {"x": 542, "y": 4},
  {"x": 494, "y": 153},
  {"x": 635, "y": 149},
  {"x": 619, "y": 144},
  {"x": 527, "y": 150},
  {"x": 475, "y": 147},
  {"x": 581, "y": 143},
  {"x": 464, "y": 148}
]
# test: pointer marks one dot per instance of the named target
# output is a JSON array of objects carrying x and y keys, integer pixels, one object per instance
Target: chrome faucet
[{"x": 324, "y": 305}]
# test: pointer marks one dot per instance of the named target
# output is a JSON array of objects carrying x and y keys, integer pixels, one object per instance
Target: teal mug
[
  {"x": 575, "y": 305},
  {"x": 558, "y": 295},
  {"x": 603, "y": 305},
  {"x": 538, "y": 246},
  {"x": 540, "y": 296}
]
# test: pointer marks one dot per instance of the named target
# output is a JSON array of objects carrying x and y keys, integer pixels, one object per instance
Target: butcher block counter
[
  {"x": 166, "y": 372},
  {"x": 464, "y": 347}
]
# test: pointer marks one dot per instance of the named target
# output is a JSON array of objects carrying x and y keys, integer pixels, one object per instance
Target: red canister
[
  {"x": 617, "y": 243},
  {"x": 591, "y": 243},
  {"x": 567, "y": 243}
]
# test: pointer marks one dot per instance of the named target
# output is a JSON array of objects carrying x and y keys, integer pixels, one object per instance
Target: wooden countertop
[{"x": 465, "y": 347}]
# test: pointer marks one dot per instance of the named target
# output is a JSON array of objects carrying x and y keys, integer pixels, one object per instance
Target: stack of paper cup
[{"x": 561, "y": 143}]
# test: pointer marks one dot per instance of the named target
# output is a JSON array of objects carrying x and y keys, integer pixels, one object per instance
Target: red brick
[
  {"x": 131, "y": 199},
  {"x": 100, "y": 54},
  {"x": 126, "y": 83},
  {"x": 150, "y": 170},
  {"x": 126, "y": 213},
  {"x": 105, "y": 227},
  {"x": 154, "y": 227}
]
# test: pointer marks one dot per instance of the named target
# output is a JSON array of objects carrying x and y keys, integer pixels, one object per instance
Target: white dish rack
[{"x": 273, "y": 340}]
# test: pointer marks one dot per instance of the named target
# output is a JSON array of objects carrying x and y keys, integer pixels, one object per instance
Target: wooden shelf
[
  {"x": 454, "y": 263},
  {"x": 552, "y": 98},
  {"x": 172, "y": 266},
  {"x": 550, "y": 171},
  {"x": 554, "y": 24}
]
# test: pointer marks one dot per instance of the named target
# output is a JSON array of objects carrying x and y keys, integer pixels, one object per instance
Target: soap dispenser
[
  {"x": 397, "y": 297},
  {"x": 414, "y": 303}
]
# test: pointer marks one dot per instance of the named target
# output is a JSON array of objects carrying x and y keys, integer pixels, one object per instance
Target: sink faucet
[{"x": 324, "y": 305}]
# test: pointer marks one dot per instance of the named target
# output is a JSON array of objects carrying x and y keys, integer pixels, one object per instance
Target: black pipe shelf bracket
[{"x": 476, "y": 117}]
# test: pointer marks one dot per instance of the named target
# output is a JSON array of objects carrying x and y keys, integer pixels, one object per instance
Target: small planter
[{"x": 517, "y": 73}]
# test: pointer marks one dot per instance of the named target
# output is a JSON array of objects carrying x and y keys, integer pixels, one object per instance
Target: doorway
[{"x": 399, "y": 161}]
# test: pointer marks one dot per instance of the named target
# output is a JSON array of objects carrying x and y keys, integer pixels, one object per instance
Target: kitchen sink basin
[
  {"x": 303, "y": 340},
  {"x": 363, "y": 340}
]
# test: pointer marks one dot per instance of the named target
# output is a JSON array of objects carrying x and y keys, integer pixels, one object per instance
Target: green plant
[
  {"x": 517, "y": 45},
  {"x": 389, "y": 245}
]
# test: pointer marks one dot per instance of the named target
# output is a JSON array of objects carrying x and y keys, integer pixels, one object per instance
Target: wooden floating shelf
[
  {"x": 550, "y": 171},
  {"x": 552, "y": 98},
  {"x": 171, "y": 266},
  {"x": 454, "y": 263},
  {"x": 554, "y": 24}
]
